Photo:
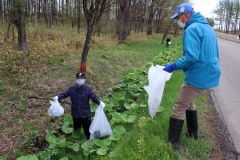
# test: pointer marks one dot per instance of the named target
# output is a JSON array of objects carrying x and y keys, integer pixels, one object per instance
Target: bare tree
[
  {"x": 93, "y": 11},
  {"x": 150, "y": 17},
  {"x": 78, "y": 15},
  {"x": 228, "y": 15},
  {"x": 18, "y": 20},
  {"x": 237, "y": 9},
  {"x": 123, "y": 15}
]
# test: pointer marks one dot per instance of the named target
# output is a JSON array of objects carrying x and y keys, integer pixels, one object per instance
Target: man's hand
[
  {"x": 170, "y": 67},
  {"x": 102, "y": 104}
]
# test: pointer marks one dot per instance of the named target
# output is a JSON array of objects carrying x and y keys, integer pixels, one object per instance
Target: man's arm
[{"x": 191, "y": 49}]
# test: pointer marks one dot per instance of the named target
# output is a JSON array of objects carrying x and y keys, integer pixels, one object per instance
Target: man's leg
[
  {"x": 76, "y": 123},
  {"x": 186, "y": 96},
  {"x": 192, "y": 121},
  {"x": 86, "y": 122}
]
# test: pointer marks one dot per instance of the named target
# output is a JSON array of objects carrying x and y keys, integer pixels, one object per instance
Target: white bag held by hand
[
  {"x": 100, "y": 126},
  {"x": 157, "y": 78},
  {"x": 55, "y": 109}
]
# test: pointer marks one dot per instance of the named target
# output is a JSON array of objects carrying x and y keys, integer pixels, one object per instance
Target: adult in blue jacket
[
  {"x": 200, "y": 63},
  {"x": 80, "y": 94}
]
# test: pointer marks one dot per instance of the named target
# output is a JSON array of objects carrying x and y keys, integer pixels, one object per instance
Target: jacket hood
[{"x": 196, "y": 18}]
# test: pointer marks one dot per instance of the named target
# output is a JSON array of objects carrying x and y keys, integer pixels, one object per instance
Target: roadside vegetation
[{"x": 118, "y": 73}]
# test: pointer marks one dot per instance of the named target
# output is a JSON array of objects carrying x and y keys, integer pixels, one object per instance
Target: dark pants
[{"x": 82, "y": 122}]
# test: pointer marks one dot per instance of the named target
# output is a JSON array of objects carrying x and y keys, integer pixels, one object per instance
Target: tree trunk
[
  {"x": 63, "y": 12},
  {"x": 39, "y": 10},
  {"x": 166, "y": 32},
  {"x": 48, "y": 13},
  {"x": 98, "y": 29},
  {"x": 54, "y": 12},
  {"x": 1, "y": 9},
  {"x": 35, "y": 6},
  {"x": 123, "y": 20},
  {"x": 93, "y": 11},
  {"x": 67, "y": 8},
  {"x": 19, "y": 22},
  {"x": 78, "y": 15},
  {"x": 150, "y": 18},
  {"x": 45, "y": 11},
  {"x": 86, "y": 47},
  {"x": 237, "y": 16},
  {"x": 158, "y": 21},
  {"x": 176, "y": 31}
]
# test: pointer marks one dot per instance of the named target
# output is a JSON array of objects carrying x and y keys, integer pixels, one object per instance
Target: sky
[{"x": 206, "y": 7}]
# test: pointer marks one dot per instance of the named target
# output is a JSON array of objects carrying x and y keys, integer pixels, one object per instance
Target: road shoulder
[{"x": 222, "y": 136}]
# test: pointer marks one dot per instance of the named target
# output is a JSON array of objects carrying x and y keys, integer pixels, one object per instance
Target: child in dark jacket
[{"x": 80, "y": 94}]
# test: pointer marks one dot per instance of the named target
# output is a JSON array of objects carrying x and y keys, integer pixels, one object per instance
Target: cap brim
[{"x": 174, "y": 16}]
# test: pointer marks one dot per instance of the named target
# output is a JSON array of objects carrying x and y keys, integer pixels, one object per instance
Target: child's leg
[
  {"x": 76, "y": 123},
  {"x": 86, "y": 122}
]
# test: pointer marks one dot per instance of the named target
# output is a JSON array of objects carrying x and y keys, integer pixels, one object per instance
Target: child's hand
[
  {"x": 102, "y": 104},
  {"x": 55, "y": 98}
]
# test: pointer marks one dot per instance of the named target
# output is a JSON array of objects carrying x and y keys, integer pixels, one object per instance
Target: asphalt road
[{"x": 227, "y": 95}]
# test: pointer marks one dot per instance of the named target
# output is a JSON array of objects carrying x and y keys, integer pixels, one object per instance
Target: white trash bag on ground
[
  {"x": 157, "y": 78},
  {"x": 100, "y": 126},
  {"x": 55, "y": 109}
]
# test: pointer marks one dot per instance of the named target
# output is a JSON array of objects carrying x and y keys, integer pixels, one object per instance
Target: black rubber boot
[
  {"x": 192, "y": 124},
  {"x": 174, "y": 132}
]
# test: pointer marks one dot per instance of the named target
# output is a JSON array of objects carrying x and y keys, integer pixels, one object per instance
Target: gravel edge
[{"x": 224, "y": 138}]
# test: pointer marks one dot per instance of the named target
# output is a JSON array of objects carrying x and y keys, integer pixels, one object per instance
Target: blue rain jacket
[
  {"x": 80, "y": 97},
  {"x": 200, "y": 60}
]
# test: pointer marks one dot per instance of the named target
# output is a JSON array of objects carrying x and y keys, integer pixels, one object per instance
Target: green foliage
[
  {"x": 1, "y": 86},
  {"x": 211, "y": 21},
  {"x": 67, "y": 123},
  {"x": 29, "y": 157},
  {"x": 75, "y": 146},
  {"x": 2, "y": 158}
]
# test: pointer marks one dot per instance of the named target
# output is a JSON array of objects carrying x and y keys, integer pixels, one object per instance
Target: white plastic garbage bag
[
  {"x": 55, "y": 109},
  {"x": 157, "y": 78},
  {"x": 100, "y": 126}
]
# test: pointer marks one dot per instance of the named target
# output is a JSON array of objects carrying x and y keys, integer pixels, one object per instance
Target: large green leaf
[
  {"x": 127, "y": 106},
  {"x": 67, "y": 119},
  {"x": 67, "y": 129},
  {"x": 129, "y": 118},
  {"x": 51, "y": 146},
  {"x": 75, "y": 147},
  {"x": 119, "y": 130},
  {"x": 51, "y": 138},
  {"x": 116, "y": 117},
  {"x": 64, "y": 158},
  {"x": 88, "y": 148},
  {"x": 102, "y": 142},
  {"x": 102, "y": 151},
  {"x": 87, "y": 145},
  {"x": 28, "y": 157},
  {"x": 115, "y": 137},
  {"x": 117, "y": 97}
]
